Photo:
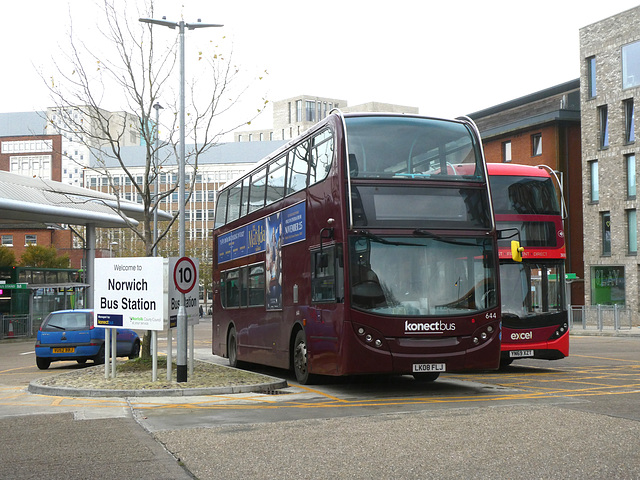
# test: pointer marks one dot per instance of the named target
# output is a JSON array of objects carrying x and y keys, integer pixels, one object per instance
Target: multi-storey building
[
  {"x": 610, "y": 83},
  {"x": 292, "y": 116},
  {"x": 543, "y": 128},
  {"x": 82, "y": 129},
  {"x": 217, "y": 166}
]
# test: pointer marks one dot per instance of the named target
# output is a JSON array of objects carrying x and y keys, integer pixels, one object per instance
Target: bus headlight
[{"x": 368, "y": 338}]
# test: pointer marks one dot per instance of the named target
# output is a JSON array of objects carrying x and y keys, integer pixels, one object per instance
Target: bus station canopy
[{"x": 28, "y": 200}]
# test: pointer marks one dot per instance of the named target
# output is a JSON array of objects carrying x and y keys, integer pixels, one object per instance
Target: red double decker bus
[
  {"x": 534, "y": 313},
  {"x": 366, "y": 245}
]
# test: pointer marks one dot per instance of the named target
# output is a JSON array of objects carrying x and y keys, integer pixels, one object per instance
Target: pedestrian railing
[
  {"x": 14, "y": 326},
  {"x": 600, "y": 317}
]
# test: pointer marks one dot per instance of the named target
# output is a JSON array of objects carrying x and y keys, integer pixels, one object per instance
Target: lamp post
[
  {"x": 181, "y": 371},
  {"x": 157, "y": 106}
]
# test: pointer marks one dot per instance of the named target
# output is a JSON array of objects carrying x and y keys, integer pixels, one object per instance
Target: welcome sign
[{"x": 290, "y": 224}]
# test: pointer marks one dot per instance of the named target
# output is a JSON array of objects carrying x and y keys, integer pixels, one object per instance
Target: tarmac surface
[{"x": 95, "y": 442}]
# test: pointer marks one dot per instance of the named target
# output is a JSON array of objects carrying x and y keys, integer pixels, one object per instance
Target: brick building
[
  {"x": 610, "y": 79},
  {"x": 32, "y": 155},
  {"x": 37, "y": 234},
  {"x": 543, "y": 128}
]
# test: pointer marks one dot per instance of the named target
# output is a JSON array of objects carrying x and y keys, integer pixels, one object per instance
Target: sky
[{"x": 446, "y": 58}]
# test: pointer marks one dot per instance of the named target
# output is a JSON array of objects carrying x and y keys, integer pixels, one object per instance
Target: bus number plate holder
[
  {"x": 520, "y": 353},
  {"x": 428, "y": 367}
]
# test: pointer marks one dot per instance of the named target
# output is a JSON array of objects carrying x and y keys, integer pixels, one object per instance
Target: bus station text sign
[
  {"x": 180, "y": 270},
  {"x": 249, "y": 239},
  {"x": 128, "y": 293}
]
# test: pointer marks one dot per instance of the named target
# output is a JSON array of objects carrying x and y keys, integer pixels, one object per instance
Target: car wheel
[
  {"x": 99, "y": 358},
  {"x": 232, "y": 348},
  {"x": 43, "y": 363},
  {"x": 135, "y": 350}
]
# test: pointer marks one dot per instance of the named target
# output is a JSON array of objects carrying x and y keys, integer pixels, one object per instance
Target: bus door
[{"x": 325, "y": 314}]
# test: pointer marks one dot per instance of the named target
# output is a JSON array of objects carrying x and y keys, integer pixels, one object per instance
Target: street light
[
  {"x": 181, "y": 371},
  {"x": 157, "y": 106}
]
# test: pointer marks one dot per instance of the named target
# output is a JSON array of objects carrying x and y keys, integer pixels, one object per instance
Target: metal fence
[
  {"x": 15, "y": 326},
  {"x": 600, "y": 317}
]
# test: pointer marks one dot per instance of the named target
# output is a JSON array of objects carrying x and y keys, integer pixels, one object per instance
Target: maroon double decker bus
[
  {"x": 366, "y": 245},
  {"x": 534, "y": 312}
]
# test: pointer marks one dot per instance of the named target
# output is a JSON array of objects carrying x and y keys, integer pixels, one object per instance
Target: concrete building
[
  {"x": 610, "y": 82},
  {"x": 543, "y": 128},
  {"x": 294, "y": 115},
  {"x": 82, "y": 130}
]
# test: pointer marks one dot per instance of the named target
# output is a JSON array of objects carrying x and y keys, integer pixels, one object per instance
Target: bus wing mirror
[{"x": 516, "y": 251}]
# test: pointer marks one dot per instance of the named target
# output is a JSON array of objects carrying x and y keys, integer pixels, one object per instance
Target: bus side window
[
  {"x": 275, "y": 180},
  {"x": 221, "y": 209},
  {"x": 256, "y": 285},
  {"x": 233, "y": 210},
  {"x": 258, "y": 189},
  {"x": 324, "y": 275},
  {"x": 298, "y": 169},
  {"x": 321, "y": 157},
  {"x": 232, "y": 289},
  {"x": 244, "y": 205}
]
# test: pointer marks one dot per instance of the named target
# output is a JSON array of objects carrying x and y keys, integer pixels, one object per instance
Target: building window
[
  {"x": 594, "y": 181},
  {"x": 606, "y": 233},
  {"x": 607, "y": 285},
  {"x": 7, "y": 240},
  {"x": 310, "y": 111},
  {"x": 632, "y": 232},
  {"x": 591, "y": 72},
  {"x": 631, "y": 65},
  {"x": 630, "y": 161},
  {"x": 289, "y": 112},
  {"x": 536, "y": 144},
  {"x": 298, "y": 110},
  {"x": 629, "y": 122},
  {"x": 506, "y": 151},
  {"x": 30, "y": 240},
  {"x": 603, "y": 124}
]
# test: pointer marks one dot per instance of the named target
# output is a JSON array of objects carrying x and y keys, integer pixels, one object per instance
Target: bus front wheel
[
  {"x": 426, "y": 377},
  {"x": 232, "y": 348},
  {"x": 301, "y": 359}
]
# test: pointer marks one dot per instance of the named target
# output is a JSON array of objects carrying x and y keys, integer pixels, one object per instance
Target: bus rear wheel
[
  {"x": 301, "y": 359},
  {"x": 232, "y": 348}
]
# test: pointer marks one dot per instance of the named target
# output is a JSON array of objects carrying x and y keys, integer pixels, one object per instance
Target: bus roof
[{"x": 506, "y": 169}]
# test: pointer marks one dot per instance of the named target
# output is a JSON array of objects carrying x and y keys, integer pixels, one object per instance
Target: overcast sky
[{"x": 445, "y": 57}]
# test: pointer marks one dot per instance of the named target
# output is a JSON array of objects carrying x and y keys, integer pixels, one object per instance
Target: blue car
[{"x": 71, "y": 335}]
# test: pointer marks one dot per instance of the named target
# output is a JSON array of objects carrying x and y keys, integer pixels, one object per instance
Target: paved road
[{"x": 574, "y": 418}]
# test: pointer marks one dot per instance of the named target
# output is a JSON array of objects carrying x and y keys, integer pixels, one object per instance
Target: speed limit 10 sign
[{"x": 185, "y": 275}]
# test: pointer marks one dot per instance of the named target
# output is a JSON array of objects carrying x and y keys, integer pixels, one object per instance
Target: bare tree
[{"x": 134, "y": 67}]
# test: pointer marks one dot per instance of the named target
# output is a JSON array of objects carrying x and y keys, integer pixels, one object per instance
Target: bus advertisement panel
[
  {"x": 534, "y": 312},
  {"x": 367, "y": 245}
]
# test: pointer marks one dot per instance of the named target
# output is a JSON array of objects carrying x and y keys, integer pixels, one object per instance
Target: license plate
[
  {"x": 428, "y": 367},
  {"x": 520, "y": 353},
  {"x": 64, "y": 350}
]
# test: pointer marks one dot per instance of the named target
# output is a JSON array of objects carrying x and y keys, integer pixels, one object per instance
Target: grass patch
[{"x": 142, "y": 364}]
